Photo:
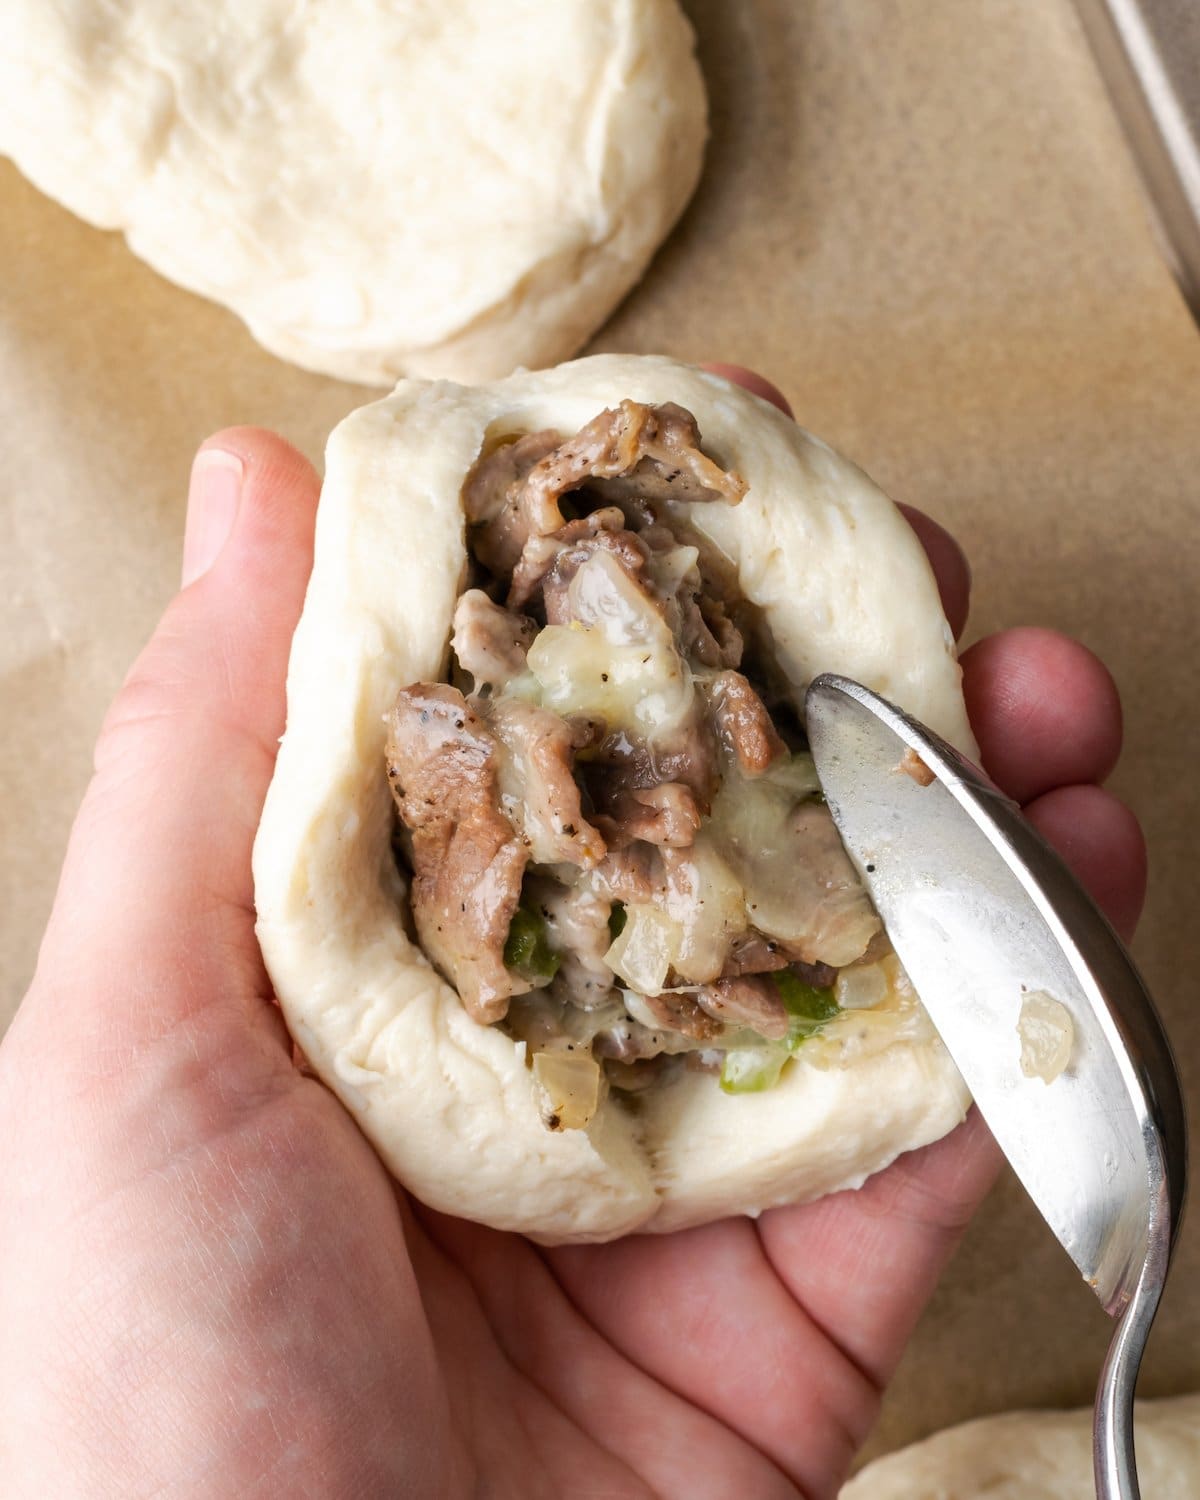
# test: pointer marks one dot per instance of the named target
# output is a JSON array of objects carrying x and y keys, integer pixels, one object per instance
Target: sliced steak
[
  {"x": 561, "y": 554},
  {"x": 627, "y": 1042},
  {"x": 679, "y": 1023},
  {"x": 493, "y": 500},
  {"x": 626, "y": 763},
  {"x": 710, "y": 635},
  {"x": 653, "y": 453},
  {"x": 634, "y": 875},
  {"x": 468, "y": 860},
  {"x": 838, "y": 919},
  {"x": 820, "y": 976},
  {"x": 750, "y": 1000},
  {"x": 538, "y": 784},
  {"x": 684, "y": 1013},
  {"x": 705, "y": 632},
  {"x": 743, "y": 723},
  {"x": 637, "y": 451},
  {"x": 489, "y": 641},
  {"x": 752, "y": 953},
  {"x": 665, "y": 815}
]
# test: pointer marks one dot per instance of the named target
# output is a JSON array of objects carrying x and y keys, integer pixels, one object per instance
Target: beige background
[{"x": 920, "y": 220}]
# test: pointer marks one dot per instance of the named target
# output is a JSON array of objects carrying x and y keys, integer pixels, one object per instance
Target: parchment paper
[{"x": 921, "y": 221}]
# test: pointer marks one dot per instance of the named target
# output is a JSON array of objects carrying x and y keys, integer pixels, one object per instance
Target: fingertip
[
  {"x": 280, "y": 484},
  {"x": 1045, "y": 711},
  {"x": 1101, "y": 841},
  {"x": 214, "y": 497},
  {"x": 269, "y": 551},
  {"x": 264, "y": 452},
  {"x": 752, "y": 381}
]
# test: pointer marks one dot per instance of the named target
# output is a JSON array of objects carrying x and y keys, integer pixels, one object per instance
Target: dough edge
[
  {"x": 843, "y": 585},
  {"x": 1036, "y": 1455}
]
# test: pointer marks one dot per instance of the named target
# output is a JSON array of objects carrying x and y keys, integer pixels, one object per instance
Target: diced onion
[
  {"x": 669, "y": 569},
  {"x": 1047, "y": 1035},
  {"x": 566, "y": 1087},
  {"x": 862, "y": 1030},
  {"x": 751, "y": 1070},
  {"x": 862, "y": 987},
  {"x": 706, "y": 899},
  {"x": 645, "y": 949}
]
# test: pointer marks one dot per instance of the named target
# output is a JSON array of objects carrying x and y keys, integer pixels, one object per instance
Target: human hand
[{"x": 208, "y": 1284}]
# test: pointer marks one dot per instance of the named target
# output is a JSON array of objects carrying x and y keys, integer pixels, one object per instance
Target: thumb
[{"x": 154, "y": 912}]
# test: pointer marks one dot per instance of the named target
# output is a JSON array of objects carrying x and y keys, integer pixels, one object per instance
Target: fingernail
[{"x": 213, "y": 495}]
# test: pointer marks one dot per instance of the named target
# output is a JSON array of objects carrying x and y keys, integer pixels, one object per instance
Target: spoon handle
[{"x": 1112, "y": 1432}]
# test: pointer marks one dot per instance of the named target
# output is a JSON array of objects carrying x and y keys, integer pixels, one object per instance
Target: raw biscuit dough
[
  {"x": 378, "y": 187},
  {"x": 1037, "y": 1455},
  {"x": 842, "y": 584}
]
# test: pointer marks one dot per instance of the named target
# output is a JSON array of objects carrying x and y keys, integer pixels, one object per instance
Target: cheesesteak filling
[{"x": 618, "y": 853}]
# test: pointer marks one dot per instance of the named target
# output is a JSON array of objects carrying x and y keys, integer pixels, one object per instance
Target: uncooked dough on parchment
[
  {"x": 1037, "y": 1455},
  {"x": 378, "y": 187}
]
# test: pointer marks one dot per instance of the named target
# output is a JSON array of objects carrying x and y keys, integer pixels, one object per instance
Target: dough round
[
  {"x": 378, "y": 187},
  {"x": 842, "y": 585},
  {"x": 1037, "y": 1455}
]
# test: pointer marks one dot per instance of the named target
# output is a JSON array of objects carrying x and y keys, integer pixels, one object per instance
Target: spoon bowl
[{"x": 1038, "y": 1003}]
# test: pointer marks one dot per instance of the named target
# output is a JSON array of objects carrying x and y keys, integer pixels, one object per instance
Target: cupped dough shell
[
  {"x": 377, "y": 187},
  {"x": 842, "y": 585}
]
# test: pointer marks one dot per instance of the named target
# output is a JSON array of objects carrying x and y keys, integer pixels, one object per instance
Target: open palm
[{"x": 208, "y": 1284}]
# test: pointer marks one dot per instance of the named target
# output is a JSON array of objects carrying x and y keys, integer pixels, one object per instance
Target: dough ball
[
  {"x": 1037, "y": 1455},
  {"x": 378, "y": 187}
]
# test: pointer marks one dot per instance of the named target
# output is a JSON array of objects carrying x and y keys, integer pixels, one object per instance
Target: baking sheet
[{"x": 920, "y": 221}]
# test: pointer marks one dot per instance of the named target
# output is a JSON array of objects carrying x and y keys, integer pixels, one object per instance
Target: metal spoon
[{"x": 1004, "y": 947}]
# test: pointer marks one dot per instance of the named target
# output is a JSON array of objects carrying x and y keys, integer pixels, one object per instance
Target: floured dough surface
[
  {"x": 1037, "y": 1455},
  {"x": 842, "y": 584},
  {"x": 378, "y": 187}
]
